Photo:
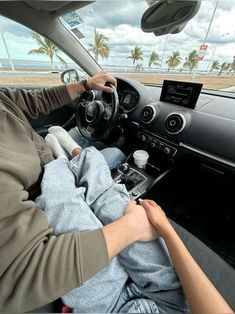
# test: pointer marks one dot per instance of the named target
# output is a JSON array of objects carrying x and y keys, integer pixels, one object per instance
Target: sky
[{"x": 120, "y": 22}]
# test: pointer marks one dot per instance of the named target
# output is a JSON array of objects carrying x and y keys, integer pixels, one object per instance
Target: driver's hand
[
  {"x": 99, "y": 80},
  {"x": 140, "y": 222}
]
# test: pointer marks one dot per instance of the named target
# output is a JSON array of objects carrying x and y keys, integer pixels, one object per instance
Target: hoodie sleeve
[{"x": 37, "y": 102}]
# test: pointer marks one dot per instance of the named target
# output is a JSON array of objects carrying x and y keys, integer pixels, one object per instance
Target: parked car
[{"x": 187, "y": 128}]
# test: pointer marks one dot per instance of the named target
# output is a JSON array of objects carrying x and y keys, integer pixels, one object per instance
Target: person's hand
[
  {"x": 99, "y": 80},
  {"x": 156, "y": 216},
  {"x": 140, "y": 222}
]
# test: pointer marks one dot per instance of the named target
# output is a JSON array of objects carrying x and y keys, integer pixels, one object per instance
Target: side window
[{"x": 29, "y": 59}]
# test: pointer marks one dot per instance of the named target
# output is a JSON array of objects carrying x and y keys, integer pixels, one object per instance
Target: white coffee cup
[{"x": 141, "y": 158}]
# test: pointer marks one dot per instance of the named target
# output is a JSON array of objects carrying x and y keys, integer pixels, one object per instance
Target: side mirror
[
  {"x": 70, "y": 76},
  {"x": 168, "y": 16}
]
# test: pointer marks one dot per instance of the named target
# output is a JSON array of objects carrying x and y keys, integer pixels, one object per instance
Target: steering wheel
[{"x": 95, "y": 119}]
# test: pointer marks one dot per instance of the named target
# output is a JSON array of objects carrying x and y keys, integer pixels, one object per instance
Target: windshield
[{"x": 204, "y": 52}]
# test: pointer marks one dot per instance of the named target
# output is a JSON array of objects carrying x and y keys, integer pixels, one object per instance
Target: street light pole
[
  {"x": 207, "y": 33},
  {"x": 163, "y": 54},
  {"x": 7, "y": 51},
  {"x": 209, "y": 27}
]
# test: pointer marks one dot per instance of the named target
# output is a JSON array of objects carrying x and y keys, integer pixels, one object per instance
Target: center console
[{"x": 137, "y": 181}]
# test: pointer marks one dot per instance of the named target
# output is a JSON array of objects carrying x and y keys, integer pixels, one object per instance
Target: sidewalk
[{"x": 229, "y": 89}]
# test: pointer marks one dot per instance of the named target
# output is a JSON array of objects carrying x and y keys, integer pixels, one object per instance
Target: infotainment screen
[{"x": 181, "y": 93}]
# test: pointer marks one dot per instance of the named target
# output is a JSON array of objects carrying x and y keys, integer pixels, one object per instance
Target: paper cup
[{"x": 140, "y": 158}]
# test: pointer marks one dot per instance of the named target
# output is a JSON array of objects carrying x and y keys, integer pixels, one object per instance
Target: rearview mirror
[{"x": 168, "y": 16}]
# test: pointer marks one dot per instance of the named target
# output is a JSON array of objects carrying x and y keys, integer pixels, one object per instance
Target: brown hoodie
[{"x": 36, "y": 267}]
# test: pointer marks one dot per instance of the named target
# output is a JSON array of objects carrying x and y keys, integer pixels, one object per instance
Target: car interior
[{"x": 187, "y": 131}]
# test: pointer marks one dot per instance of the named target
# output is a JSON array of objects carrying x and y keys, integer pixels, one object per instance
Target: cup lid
[{"x": 140, "y": 154}]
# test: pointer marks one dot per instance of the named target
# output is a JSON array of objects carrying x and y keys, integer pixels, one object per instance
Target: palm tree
[
  {"x": 46, "y": 47},
  {"x": 232, "y": 66},
  {"x": 224, "y": 67},
  {"x": 191, "y": 61},
  {"x": 174, "y": 60},
  {"x": 100, "y": 46},
  {"x": 215, "y": 66},
  {"x": 229, "y": 68},
  {"x": 153, "y": 59},
  {"x": 136, "y": 54}
]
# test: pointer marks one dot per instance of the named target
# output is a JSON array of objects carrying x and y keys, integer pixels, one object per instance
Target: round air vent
[
  {"x": 175, "y": 123},
  {"x": 148, "y": 114}
]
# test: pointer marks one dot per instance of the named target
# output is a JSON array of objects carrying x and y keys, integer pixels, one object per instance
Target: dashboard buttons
[
  {"x": 135, "y": 193},
  {"x": 143, "y": 137},
  {"x": 167, "y": 150},
  {"x": 157, "y": 144}
]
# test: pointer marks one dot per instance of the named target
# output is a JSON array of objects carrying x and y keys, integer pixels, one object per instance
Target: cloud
[
  {"x": 17, "y": 50},
  {"x": 12, "y": 27},
  {"x": 226, "y": 5},
  {"x": 223, "y": 23},
  {"x": 120, "y": 22},
  {"x": 113, "y": 13}
]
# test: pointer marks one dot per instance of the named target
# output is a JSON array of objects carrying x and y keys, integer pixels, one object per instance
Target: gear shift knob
[
  {"x": 124, "y": 168},
  {"x": 125, "y": 171}
]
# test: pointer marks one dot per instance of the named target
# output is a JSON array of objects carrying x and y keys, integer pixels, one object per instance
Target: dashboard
[{"x": 206, "y": 128}]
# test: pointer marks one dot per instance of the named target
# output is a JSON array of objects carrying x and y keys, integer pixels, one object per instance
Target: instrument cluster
[{"x": 128, "y": 99}]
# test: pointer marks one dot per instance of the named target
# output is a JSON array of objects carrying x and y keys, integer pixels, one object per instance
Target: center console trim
[{"x": 162, "y": 175}]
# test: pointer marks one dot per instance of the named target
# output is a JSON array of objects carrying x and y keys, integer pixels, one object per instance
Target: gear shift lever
[
  {"x": 124, "y": 170},
  {"x": 130, "y": 177}
]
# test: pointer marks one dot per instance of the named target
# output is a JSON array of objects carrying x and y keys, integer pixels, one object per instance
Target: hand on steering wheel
[{"x": 100, "y": 80}]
